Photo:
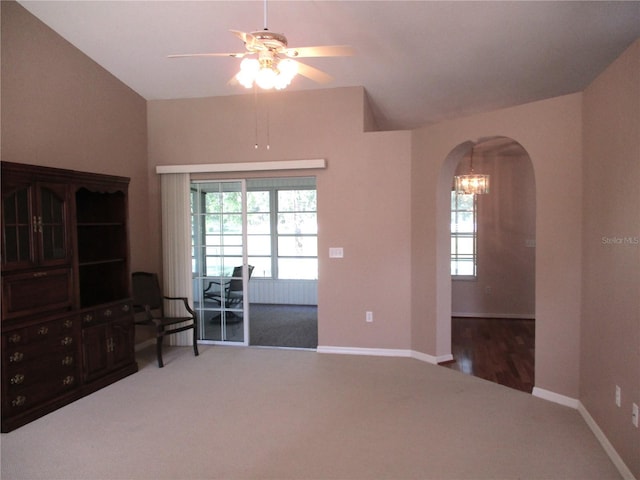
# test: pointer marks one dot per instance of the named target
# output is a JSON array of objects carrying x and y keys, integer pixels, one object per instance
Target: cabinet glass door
[
  {"x": 34, "y": 223},
  {"x": 219, "y": 260},
  {"x": 51, "y": 224},
  {"x": 17, "y": 239}
]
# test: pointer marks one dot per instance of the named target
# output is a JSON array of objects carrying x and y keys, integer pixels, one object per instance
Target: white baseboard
[
  {"x": 606, "y": 444},
  {"x": 555, "y": 397},
  {"x": 377, "y": 352},
  {"x": 423, "y": 357},
  {"x": 386, "y": 352},
  {"x": 599, "y": 434}
]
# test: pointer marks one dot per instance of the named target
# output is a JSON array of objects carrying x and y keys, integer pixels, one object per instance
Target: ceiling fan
[{"x": 268, "y": 61}]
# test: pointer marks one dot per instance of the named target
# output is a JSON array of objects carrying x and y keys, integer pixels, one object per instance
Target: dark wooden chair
[
  {"x": 228, "y": 292},
  {"x": 149, "y": 300}
]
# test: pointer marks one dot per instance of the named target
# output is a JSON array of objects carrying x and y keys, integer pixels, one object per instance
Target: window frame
[
  {"x": 199, "y": 259},
  {"x": 275, "y": 235},
  {"x": 456, "y": 258}
]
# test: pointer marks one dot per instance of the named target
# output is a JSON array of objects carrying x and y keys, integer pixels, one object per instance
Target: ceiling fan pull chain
[
  {"x": 265, "y": 15},
  {"x": 268, "y": 141},
  {"x": 255, "y": 111}
]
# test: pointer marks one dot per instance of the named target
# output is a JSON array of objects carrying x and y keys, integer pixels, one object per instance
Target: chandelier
[
  {"x": 471, "y": 184},
  {"x": 267, "y": 71}
]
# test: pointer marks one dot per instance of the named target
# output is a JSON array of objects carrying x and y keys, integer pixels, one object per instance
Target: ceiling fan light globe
[
  {"x": 245, "y": 80},
  {"x": 281, "y": 82},
  {"x": 250, "y": 65},
  {"x": 266, "y": 78},
  {"x": 288, "y": 68}
]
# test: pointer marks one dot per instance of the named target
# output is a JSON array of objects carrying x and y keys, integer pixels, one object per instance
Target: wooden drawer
[
  {"x": 106, "y": 313},
  {"x": 43, "y": 332},
  {"x": 39, "y": 370},
  {"x": 40, "y": 354},
  {"x": 36, "y": 291},
  {"x": 32, "y": 390}
]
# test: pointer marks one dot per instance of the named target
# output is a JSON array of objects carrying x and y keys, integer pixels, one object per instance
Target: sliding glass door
[
  {"x": 261, "y": 233},
  {"x": 219, "y": 260}
]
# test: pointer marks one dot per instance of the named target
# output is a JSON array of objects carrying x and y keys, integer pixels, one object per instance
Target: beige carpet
[{"x": 252, "y": 413}]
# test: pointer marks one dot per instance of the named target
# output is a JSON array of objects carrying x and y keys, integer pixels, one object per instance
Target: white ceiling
[{"x": 419, "y": 61}]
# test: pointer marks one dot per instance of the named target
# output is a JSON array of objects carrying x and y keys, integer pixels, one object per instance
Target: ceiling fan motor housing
[{"x": 266, "y": 40}]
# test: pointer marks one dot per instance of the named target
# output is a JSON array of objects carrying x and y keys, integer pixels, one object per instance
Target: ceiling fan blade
[
  {"x": 313, "y": 73},
  {"x": 325, "y": 51},
  {"x": 233, "y": 81},
  {"x": 235, "y": 55},
  {"x": 247, "y": 38}
]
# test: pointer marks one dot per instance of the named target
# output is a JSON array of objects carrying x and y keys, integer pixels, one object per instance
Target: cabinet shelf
[
  {"x": 100, "y": 207},
  {"x": 101, "y": 262},
  {"x": 102, "y": 244},
  {"x": 99, "y": 224}
]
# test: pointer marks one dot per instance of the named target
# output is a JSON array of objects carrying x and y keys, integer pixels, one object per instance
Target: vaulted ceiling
[{"x": 419, "y": 61}]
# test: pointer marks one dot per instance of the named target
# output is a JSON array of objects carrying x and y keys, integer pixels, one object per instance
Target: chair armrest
[
  {"x": 220, "y": 284},
  {"x": 185, "y": 301}
]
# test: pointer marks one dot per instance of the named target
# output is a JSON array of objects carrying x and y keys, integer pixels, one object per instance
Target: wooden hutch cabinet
[{"x": 67, "y": 319}]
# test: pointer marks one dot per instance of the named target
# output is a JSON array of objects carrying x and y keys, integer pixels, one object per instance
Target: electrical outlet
[
  {"x": 368, "y": 317},
  {"x": 618, "y": 396},
  {"x": 634, "y": 415}
]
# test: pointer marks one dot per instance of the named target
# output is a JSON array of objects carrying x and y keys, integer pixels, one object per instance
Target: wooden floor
[{"x": 499, "y": 350}]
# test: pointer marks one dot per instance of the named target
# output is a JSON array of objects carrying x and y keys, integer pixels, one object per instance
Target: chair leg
[
  {"x": 159, "y": 340},
  {"x": 195, "y": 340}
]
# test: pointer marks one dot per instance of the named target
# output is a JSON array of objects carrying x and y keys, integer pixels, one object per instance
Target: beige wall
[
  {"x": 61, "y": 109},
  {"x": 363, "y": 200},
  {"x": 611, "y": 253},
  {"x": 550, "y": 133}
]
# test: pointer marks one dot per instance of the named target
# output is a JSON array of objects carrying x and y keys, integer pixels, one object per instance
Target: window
[
  {"x": 216, "y": 227},
  {"x": 297, "y": 233},
  {"x": 463, "y": 235},
  {"x": 282, "y": 228},
  {"x": 259, "y": 228}
]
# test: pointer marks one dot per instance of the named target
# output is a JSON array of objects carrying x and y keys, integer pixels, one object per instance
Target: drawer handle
[
  {"x": 108, "y": 312},
  {"x": 15, "y": 338},
  {"x": 68, "y": 360},
  {"x": 19, "y": 401},
  {"x": 68, "y": 323},
  {"x": 17, "y": 379},
  {"x": 88, "y": 318},
  {"x": 16, "y": 357},
  {"x": 43, "y": 330},
  {"x": 66, "y": 341},
  {"x": 125, "y": 308},
  {"x": 68, "y": 380},
  {"x": 39, "y": 274}
]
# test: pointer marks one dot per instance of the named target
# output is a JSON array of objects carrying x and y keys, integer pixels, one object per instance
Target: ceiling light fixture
[
  {"x": 264, "y": 64},
  {"x": 472, "y": 184},
  {"x": 267, "y": 71}
]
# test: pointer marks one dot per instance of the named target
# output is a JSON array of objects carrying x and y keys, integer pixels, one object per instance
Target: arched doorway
[{"x": 492, "y": 264}]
